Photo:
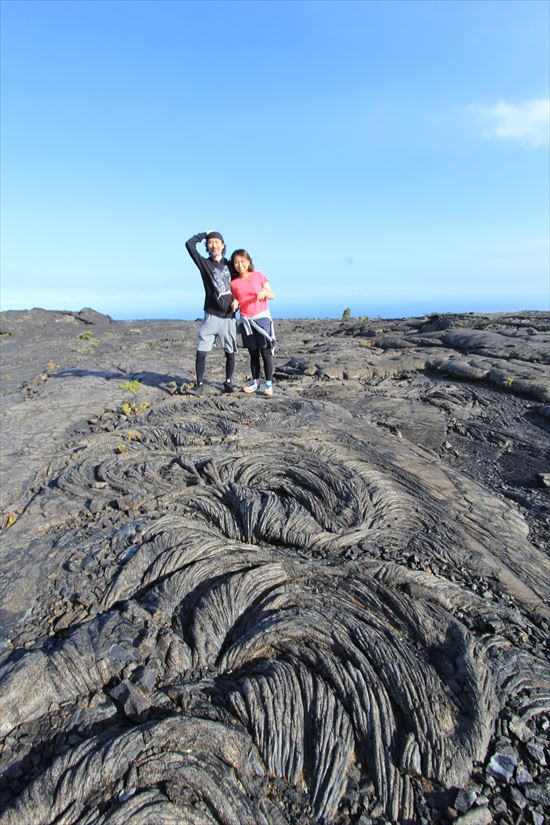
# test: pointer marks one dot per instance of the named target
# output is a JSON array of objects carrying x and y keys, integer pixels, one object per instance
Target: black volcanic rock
[{"x": 331, "y": 605}]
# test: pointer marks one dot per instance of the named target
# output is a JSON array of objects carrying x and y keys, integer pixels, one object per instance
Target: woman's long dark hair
[{"x": 244, "y": 254}]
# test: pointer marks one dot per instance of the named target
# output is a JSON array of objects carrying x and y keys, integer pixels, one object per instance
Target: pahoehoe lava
[{"x": 329, "y": 606}]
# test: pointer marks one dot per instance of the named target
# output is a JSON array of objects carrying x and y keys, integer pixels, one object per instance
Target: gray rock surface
[{"x": 331, "y": 605}]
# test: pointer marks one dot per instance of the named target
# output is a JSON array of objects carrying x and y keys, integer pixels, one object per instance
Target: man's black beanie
[{"x": 217, "y": 235}]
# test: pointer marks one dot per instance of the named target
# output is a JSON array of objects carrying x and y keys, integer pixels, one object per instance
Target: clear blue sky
[{"x": 391, "y": 157}]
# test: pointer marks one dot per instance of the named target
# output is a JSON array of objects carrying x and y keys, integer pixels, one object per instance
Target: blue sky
[{"x": 391, "y": 157}]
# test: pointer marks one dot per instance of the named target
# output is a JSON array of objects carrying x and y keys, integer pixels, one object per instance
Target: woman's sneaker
[
  {"x": 254, "y": 386},
  {"x": 268, "y": 389}
]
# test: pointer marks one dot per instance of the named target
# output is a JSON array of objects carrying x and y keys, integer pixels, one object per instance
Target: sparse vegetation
[
  {"x": 132, "y": 386},
  {"x": 346, "y": 315},
  {"x": 92, "y": 342},
  {"x": 131, "y": 435},
  {"x": 132, "y": 409},
  {"x": 8, "y": 519}
]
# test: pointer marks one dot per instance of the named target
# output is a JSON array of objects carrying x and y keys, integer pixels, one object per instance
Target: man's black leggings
[
  {"x": 267, "y": 357},
  {"x": 200, "y": 365}
]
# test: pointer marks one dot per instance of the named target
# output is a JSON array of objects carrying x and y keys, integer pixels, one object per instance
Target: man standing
[{"x": 219, "y": 320}]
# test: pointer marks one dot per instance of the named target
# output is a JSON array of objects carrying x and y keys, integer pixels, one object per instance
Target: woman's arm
[
  {"x": 266, "y": 293},
  {"x": 235, "y": 302}
]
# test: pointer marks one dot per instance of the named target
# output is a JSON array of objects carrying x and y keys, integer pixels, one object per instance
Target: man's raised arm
[{"x": 191, "y": 246}]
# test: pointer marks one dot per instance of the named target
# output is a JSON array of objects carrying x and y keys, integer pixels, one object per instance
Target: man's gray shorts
[{"x": 224, "y": 329}]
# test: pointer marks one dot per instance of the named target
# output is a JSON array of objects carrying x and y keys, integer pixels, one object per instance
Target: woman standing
[{"x": 251, "y": 292}]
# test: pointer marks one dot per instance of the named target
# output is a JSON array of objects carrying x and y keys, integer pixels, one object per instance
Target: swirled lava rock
[{"x": 301, "y": 611}]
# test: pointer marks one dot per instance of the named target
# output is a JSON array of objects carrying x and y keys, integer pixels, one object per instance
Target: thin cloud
[{"x": 527, "y": 122}]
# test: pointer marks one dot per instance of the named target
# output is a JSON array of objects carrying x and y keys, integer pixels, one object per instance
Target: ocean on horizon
[{"x": 335, "y": 310}]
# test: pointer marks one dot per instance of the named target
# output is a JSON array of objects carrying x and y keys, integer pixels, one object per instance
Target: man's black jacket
[{"x": 216, "y": 278}]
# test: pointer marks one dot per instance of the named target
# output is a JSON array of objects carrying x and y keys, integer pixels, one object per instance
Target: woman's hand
[
  {"x": 234, "y": 305},
  {"x": 265, "y": 293}
]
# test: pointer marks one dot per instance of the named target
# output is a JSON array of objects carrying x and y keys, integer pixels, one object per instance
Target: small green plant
[
  {"x": 509, "y": 381},
  {"x": 92, "y": 342},
  {"x": 8, "y": 519},
  {"x": 128, "y": 409},
  {"x": 132, "y": 386},
  {"x": 346, "y": 315}
]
